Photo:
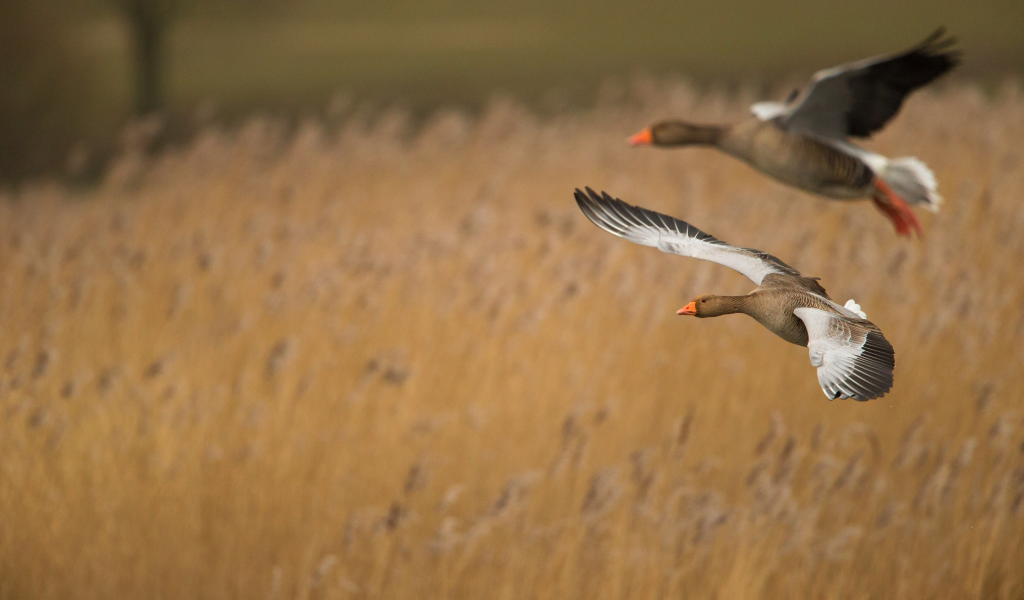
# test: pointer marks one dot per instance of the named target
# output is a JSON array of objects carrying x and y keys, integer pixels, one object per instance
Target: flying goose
[
  {"x": 804, "y": 141},
  {"x": 853, "y": 358}
]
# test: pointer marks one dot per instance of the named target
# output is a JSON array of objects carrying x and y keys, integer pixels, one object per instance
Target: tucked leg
[{"x": 897, "y": 209}]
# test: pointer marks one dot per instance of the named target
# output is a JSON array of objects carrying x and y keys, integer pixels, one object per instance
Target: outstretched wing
[
  {"x": 668, "y": 234},
  {"x": 859, "y": 98},
  {"x": 853, "y": 358}
]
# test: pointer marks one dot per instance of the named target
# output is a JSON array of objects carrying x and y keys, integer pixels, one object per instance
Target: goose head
[
  {"x": 675, "y": 133},
  {"x": 709, "y": 305}
]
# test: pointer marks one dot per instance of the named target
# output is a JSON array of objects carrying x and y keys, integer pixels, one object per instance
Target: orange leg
[{"x": 897, "y": 209}]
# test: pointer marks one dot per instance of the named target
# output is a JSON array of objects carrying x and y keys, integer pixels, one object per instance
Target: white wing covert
[{"x": 853, "y": 359}]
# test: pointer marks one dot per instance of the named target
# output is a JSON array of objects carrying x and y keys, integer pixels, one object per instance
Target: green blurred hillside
[
  {"x": 295, "y": 56},
  {"x": 461, "y": 51}
]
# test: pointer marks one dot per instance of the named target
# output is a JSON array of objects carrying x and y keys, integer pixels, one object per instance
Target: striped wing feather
[
  {"x": 668, "y": 234},
  {"x": 853, "y": 358}
]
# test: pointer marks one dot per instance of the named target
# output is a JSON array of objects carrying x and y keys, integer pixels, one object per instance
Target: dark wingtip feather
[
  {"x": 939, "y": 47},
  {"x": 933, "y": 36},
  {"x": 596, "y": 208},
  {"x": 879, "y": 361},
  {"x": 614, "y": 215},
  {"x": 876, "y": 342},
  {"x": 880, "y": 89},
  {"x": 582, "y": 199}
]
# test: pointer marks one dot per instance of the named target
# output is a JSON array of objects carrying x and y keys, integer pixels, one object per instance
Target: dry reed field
[{"x": 388, "y": 361}]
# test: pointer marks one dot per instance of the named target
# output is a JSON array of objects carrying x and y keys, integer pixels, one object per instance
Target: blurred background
[
  {"x": 295, "y": 302},
  {"x": 74, "y": 71}
]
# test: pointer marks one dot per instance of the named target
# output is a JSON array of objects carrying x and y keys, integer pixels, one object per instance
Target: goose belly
[
  {"x": 805, "y": 163},
  {"x": 773, "y": 308},
  {"x": 786, "y": 326}
]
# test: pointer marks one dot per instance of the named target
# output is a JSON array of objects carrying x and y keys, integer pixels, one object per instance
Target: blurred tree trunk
[
  {"x": 42, "y": 82},
  {"x": 149, "y": 20}
]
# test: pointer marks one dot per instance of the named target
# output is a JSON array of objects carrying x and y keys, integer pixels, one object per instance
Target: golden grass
[{"x": 378, "y": 364}]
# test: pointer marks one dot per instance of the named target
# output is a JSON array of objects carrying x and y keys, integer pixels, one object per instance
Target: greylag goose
[
  {"x": 853, "y": 358},
  {"x": 804, "y": 141}
]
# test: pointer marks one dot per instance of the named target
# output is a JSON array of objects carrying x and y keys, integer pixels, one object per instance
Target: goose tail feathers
[{"x": 913, "y": 181}]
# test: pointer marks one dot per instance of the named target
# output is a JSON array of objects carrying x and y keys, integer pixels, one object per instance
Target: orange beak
[
  {"x": 643, "y": 138},
  {"x": 689, "y": 309}
]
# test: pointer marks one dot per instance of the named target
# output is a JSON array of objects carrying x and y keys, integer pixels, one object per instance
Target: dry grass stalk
[{"x": 338, "y": 364}]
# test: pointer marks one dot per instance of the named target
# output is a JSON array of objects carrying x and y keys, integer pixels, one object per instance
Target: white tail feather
[
  {"x": 855, "y": 308},
  {"x": 766, "y": 111},
  {"x": 913, "y": 181}
]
